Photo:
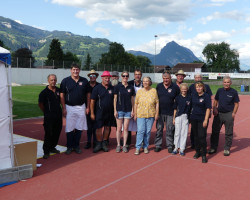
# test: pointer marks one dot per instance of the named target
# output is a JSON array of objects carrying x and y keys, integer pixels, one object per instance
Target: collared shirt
[
  {"x": 75, "y": 92},
  {"x": 182, "y": 105},
  {"x": 103, "y": 98},
  {"x": 167, "y": 97},
  {"x": 124, "y": 97},
  {"x": 226, "y": 99},
  {"x": 199, "y": 106},
  {"x": 51, "y": 102},
  {"x": 146, "y": 103},
  {"x": 90, "y": 88},
  {"x": 192, "y": 90}
]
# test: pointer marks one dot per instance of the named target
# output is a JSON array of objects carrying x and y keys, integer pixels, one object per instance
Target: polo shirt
[
  {"x": 124, "y": 97},
  {"x": 166, "y": 98},
  {"x": 103, "y": 99},
  {"x": 182, "y": 105},
  {"x": 226, "y": 99},
  {"x": 192, "y": 90},
  {"x": 51, "y": 103},
  {"x": 199, "y": 106},
  {"x": 90, "y": 88},
  {"x": 75, "y": 92}
]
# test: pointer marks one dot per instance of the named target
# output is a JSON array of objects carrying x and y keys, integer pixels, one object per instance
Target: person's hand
[
  {"x": 173, "y": 121},
  {"x": 116, "y": 114},
  {"x": 92, "y": 116},
  {"x": 156, "y": 117},
  {"x": 215, "y": 111},
  {"x": 132, "y": 114},
  {"x": 64, "y": 112},
  {"x": 233, "y": 115},
  {"x": 135, "y": 117},
  {"x": 204, "y": 124},
  {"x": 87, "y": 111}
]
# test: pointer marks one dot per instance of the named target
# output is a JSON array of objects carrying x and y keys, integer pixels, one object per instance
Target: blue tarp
[{"x": 5, "y": 56}]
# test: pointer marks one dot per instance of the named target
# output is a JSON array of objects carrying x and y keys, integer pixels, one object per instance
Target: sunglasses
[
  {"x": 125, "y": 76},
  {"x": 92, "y": 75}
]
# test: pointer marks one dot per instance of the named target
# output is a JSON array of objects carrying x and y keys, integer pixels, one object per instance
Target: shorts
[
  {"x": 104, "y": 119},
  {"x": 124, "y": 115}
]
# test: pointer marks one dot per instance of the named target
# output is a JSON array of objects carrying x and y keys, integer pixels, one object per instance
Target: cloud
[
  {"x": 131, "y": 14},
  {"x": 18, "y": 21},
  {"x": 102, "y": 30},
  {"x": 219, "y": 2}
]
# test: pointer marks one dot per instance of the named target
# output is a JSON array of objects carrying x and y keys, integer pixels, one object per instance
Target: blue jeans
[{"x": 144, "y": 126}]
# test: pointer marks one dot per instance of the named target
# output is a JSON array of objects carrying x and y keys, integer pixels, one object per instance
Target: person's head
[
  {"x": 180, "y": 75},
  {"x": 147, "y": 82},
  {"x": 200, "y": 87},
  {"x": 137, "y": 75},
  {"x": 105, "y": 78},
  {"x": 184, "y": 88},
  {"x": 114, "y": 75},
  {"x": 197, "y": 77},
  {"x": 125, "y": 76},
  {"x": 227, "y": 82},
  {"x": 166, "y": 77},
  {"x": 52, "y": 80},
  {"x": 75, "y": 70},
  {"x": 93, "y": 75}
]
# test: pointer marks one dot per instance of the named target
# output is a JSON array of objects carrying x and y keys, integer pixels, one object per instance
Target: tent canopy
[{"x": 5, "y": 56}]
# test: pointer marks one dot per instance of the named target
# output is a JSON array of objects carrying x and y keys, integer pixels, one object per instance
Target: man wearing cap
[
  {"x": 180, "y": 75},
  {"x": 167, "y": 91},
  {"x": 93, "y": 75},
  {"x": 49, "y": 103},
  {"x": 102, "y": 111},
  {"x": 192, "y": 90},
  {"x": 114, "y": 78},
  {"x": 74, "y": 96}
]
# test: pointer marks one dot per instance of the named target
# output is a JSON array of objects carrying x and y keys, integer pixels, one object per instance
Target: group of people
[{"x": 134, "y": 106}]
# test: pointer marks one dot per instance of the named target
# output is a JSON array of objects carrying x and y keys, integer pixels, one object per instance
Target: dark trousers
[
  {"x": 200, "y": 135},
  {"x": 219, "y": 120},
  {"x": 192, "y": 135},
  {"x": 73, "y": 139},
  {"x": 52, "y": 129},
  {"x": 91, "y": 132}
]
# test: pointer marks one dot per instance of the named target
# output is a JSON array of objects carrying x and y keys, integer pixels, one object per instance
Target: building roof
[{"x": 187, "y": 67}]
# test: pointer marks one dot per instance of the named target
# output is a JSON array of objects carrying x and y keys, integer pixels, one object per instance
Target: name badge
[
  {"x": 129, "y": 90},
  {"x": 110, "y": 91},
  {"x": 80, "y": 83},
  {"x": 169, "y": 90},
  {"x": 201, "y": 100}
]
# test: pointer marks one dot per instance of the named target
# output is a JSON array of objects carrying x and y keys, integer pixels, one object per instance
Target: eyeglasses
[
  {"x": 125, "y": 76},
  {"x": 92, "y": 75}
]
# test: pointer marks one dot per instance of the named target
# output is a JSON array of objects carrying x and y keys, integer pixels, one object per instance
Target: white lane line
[{"x": 124, "y": 177}]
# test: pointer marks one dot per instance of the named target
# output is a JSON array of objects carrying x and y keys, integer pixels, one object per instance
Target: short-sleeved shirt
[
  {"x": 199, "y": 106},
  {"x": 192, "y": 90},
  {"x": 182, "y": 105},
  {"x": 51, "y": 103},
  {"x": 226, "y": 99},
  {"x": 75, "y": 92},
  {"x": 146, "y": 103},
  {"x": 90, "y": 88},
  {"x": 167, "y": 97},
  {"x": 124, "y": 97}
]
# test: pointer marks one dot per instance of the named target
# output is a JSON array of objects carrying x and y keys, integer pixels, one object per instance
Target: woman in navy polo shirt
[
  {"x": 201, "y": 107},
  {"x": 123, "y": 109}
]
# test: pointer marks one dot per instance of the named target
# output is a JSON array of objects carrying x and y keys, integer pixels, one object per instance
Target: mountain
[
  {"x": 170, "y": 55},
  {"x": 16, "y": 35}
]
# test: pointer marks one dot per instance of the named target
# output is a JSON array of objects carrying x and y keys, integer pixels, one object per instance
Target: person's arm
[
  {"x": 157, "y": 111},
  {"x": 62, "y": 95},
  {"x": 132, "y": 101},
  {"x": 88, "y": 103},
  {"x": 205, "y": 122},
  {"x": 115, "y": 101},
  {"x": 135, "y": 111},
  {"x": 236, "y": 106},
  {"x": 41, "y": 106},
  {"x": 92, "y": 109},
  {"x": 215, "y": 108},
  {"x": 174, "y": 116}
]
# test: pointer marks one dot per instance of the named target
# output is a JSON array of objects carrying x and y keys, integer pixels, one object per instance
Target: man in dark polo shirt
[
  {"x": 49, "y": 103},
  {"x": 102, "y": 111},
  {"x": 225, "y": 106},
  {"x": 167, "y": 91},
  {"x": 74, "y": 96},
  {"x": 192, "y": 90}
]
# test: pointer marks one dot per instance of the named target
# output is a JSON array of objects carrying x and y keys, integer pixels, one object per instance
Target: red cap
[{"x": 106, "y": 73}]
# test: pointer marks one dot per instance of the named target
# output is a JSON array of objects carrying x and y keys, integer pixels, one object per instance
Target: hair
[
  {"x": 184, "y": 85},
  {"x": 150, "y": 80},
  {"x": 74, "y": 65},
  {"x": 227, "y": 77},
  {"x": 138, "y": 70},
  {"x": 166, "y": 73},
  {"x": 51, "y": 75},
  {"x": 200, "y": 83},
  {"x": 198, "y": 74},
  {"x": 125, "y": 72}
]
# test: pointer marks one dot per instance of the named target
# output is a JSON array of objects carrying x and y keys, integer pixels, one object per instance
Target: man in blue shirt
[
  {"x": 225, "y": 106},
  {"x": 74, "y": 95},
  {"x": 167, "y": 91}
]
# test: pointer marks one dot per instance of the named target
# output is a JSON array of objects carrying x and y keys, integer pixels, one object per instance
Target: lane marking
[{"x": 122, "y": 178}]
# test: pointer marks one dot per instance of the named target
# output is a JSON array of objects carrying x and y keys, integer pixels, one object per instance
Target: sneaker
[
  {"x": 212, "y": 151},
  {"x": 196, "y": 155},
  {"x": 68, "y": 151},
  {"x": 87, "y": 146},
  {"x": 157, "y": 149},
  {"x": 98, "y": 147},
  {"x": 137, "y": 152},
  {"x": 105, "y": 146},
  {"x": 226, "y": 152},
  {"x": 118, "y": 149},
  {"x": 170, "y": 150},
  {"x": 125, "y": 149},
  {"x": 46, "y": 156},
  {"x": 174, "y": 152},
  {"x": 78, "y": 150},
  {"x": 182, "y": 153},
  {"x": 54, "y": 151},
  {"x": 146, "y": 150}
]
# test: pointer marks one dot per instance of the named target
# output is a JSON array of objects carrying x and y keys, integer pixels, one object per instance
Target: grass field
[{"x": 25, "y": 99}]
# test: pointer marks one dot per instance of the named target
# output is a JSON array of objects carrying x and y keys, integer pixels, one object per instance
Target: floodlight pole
[{"x": 155, "y": 52}]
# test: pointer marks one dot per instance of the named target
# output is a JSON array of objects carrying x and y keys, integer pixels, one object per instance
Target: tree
[
  {"x": 55, "y": 55},
  {"x": 24, "y": 58},
  {"x": 220, "y": 58},
  {"x": 69, "y": 58},
  {"x": 2, "y": 45},
  {"x": 87, "y": 62}
]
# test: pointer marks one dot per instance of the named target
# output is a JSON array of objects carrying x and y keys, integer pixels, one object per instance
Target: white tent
[{"x": 6, "y": 122}]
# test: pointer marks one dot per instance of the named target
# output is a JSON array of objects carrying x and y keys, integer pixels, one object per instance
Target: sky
[{"x": 136, "y": 23}]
